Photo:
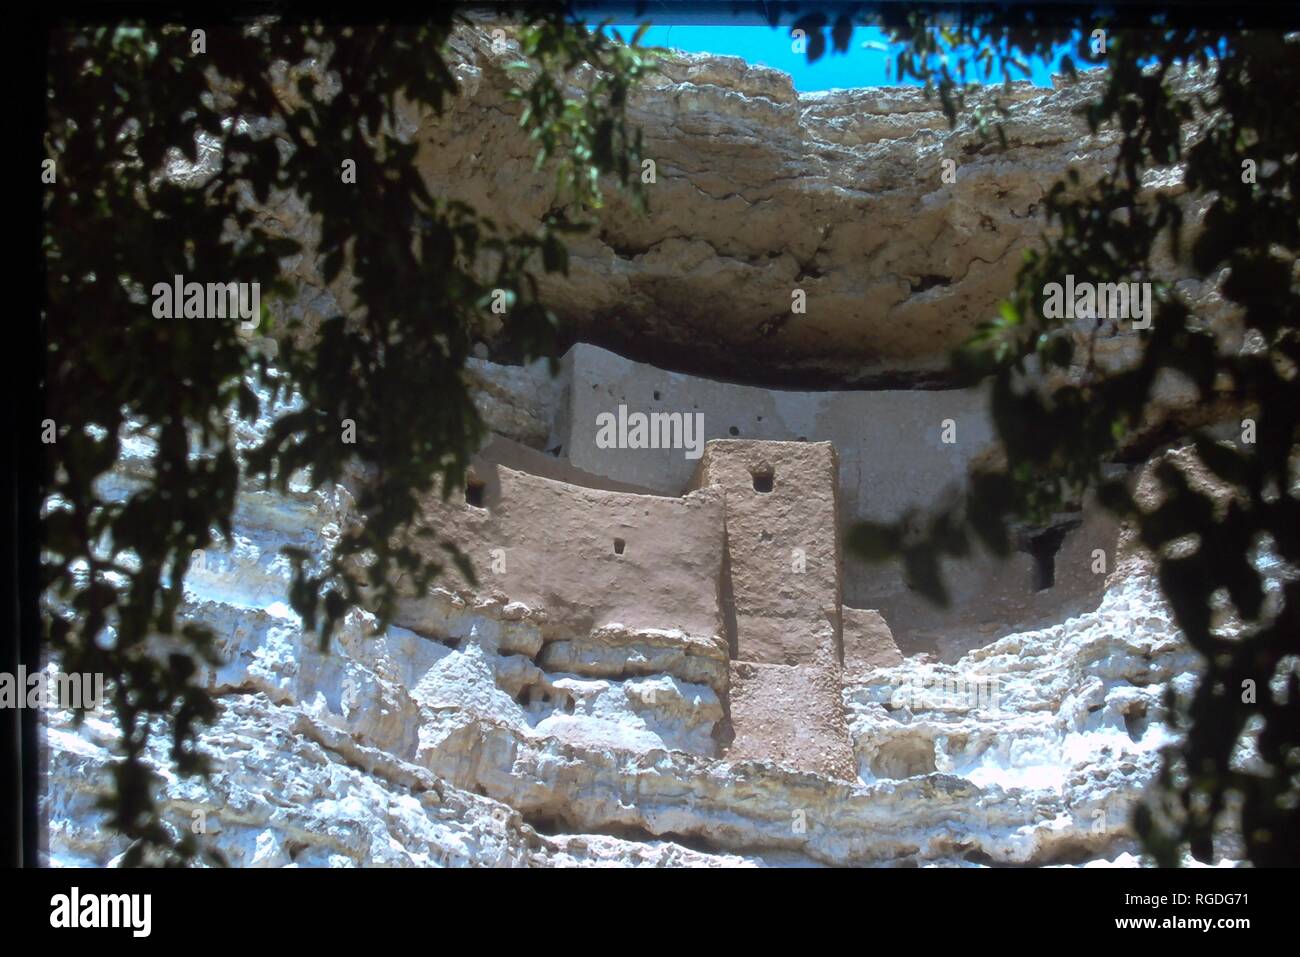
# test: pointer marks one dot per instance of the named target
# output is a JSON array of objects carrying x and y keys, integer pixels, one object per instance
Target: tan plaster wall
[
  {"x": 991, "y": 597},
  {"x": 889, "y": 442},
  {"x": 782, "y": 571},
  {"x": 868, "y": 642},
  {"x": 891, "y": 458},
  {"x": 521, "y": 458},
  {"x": 557, "y": 542},
  {"x": 793, "y": 715}
]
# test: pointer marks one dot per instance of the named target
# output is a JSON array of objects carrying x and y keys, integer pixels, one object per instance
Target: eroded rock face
[
  {"x": 403, "y": 750},
  {"x": 760, "y": 191},
  {"x": 468, "y": 744},
  {"x": 602, "y": 711}
]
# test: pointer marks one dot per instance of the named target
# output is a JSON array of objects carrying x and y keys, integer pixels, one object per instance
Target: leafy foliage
[
  {"x": 167, "y": 159},
  {"x": 1061, "y": 415},
  {"x": 280, "y": 105}
]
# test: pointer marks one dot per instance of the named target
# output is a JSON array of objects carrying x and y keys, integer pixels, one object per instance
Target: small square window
[{"x": 475, "y": 492}]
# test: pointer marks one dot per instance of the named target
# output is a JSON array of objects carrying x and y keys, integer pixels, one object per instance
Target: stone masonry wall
[
  {"x": 892, "y": 457},
  {"x": 782, "y": 561},
  {"x": 587, "y": 558}
]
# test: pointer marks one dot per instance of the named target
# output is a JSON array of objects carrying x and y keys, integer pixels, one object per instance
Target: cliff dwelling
[
  {"x": 731, "y": 564},
  {"x": 658, "y": 649}
]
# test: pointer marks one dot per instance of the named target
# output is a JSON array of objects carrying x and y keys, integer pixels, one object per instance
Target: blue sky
[{"x": 769, "y": 46}]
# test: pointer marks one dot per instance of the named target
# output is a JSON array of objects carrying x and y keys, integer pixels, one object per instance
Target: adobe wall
[
  {"x": 791, "y": 714},
  {"x": 892, "y": 457},
  {"x": 720, "y": 563},
  {"x": 781, "y": 601},
  {"x": 868, "y": 642},
  {"x": 620, "y": 584},
  {"x": 889, "y": 442},
  {"x": 782, "y": 566},
  {"x": 590, "y": 557},
  {"x": 522, "y": 458},
  {"x": 890, "y": 448}
]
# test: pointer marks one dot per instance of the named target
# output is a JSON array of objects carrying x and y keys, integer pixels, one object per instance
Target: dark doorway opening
[
  {"x": 475, "y": 492},
  {"x": 1042, "y": 547}
]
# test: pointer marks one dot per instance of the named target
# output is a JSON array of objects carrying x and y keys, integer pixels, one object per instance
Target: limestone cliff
[
  {"x": 464, "y": 745},
  {"x": 760, "y": 190},
  {"x": 642, "y": 681}
]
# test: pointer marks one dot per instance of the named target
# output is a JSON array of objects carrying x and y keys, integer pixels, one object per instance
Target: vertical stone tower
[
  {"x": 783, "y": 573},
  {"x": 780, "y": 595}
]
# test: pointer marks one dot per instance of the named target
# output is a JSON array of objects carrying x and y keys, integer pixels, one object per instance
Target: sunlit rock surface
[
  {"x": 465, "y": 746},
  {"x": 760, "y": 190},
  {"x": 483, "y": 729}
]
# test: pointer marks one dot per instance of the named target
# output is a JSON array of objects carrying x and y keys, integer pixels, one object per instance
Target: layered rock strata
[
  {"x": 464, "y": 742},
  {"x": 661, "y": 696}
]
